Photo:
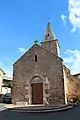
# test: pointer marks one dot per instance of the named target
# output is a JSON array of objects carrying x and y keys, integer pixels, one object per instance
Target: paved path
[{"x": 69, "y": 114}]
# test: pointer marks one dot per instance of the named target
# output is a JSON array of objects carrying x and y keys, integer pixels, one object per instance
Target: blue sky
[{"x": 23, "y": 21}]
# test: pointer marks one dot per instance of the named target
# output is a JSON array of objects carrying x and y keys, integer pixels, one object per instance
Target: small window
[
  {"x": 35, "y": 58},
  {"x": 48, "y": 34}
]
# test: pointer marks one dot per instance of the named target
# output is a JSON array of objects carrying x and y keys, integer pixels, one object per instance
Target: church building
[{"x": 38, "y": 75}]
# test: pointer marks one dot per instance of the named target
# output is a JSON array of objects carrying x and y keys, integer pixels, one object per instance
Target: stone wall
[
  {"x": 73, "y": 86},
  {"x": 48, "y": 67},
  {"x": 52, "y": 46}
]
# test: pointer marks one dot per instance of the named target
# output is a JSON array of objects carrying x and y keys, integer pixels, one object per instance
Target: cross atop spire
[{"x": 49, "y": 35}]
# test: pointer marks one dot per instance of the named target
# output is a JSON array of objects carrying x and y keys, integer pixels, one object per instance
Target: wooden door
[{"x": 37, "y": 93}]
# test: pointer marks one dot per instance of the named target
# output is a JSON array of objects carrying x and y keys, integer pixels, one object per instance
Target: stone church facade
[{"x": 38, "y": 76}]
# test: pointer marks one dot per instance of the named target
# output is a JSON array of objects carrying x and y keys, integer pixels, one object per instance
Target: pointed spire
[{"x": 49, "y": 35}]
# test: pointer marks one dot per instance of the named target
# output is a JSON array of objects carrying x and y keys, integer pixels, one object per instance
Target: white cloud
[
  {"x": 22, "y": 50},
  {"x": 72, "y": 60},
  {"x": 74, "y": 14},
  {"x": 63, "y": 17},
  {"x": 68, "y": 60}
]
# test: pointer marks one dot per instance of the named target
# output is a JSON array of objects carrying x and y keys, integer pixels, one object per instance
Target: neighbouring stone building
[
  {"x": 39, "y": 76},
  {"x": 5, "y": 82},
  {"x": 73, "y": 86}
]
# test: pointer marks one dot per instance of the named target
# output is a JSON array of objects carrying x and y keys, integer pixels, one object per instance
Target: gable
[
  {"x": 35, "y": 50},
  {"x": 27, "y": 54}
]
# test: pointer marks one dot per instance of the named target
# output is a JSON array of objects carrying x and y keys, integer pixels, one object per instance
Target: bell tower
[{"x": 50, "y": 42}]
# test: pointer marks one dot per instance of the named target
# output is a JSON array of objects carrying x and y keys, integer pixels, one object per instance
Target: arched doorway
[{"x": 37, "y": 90}]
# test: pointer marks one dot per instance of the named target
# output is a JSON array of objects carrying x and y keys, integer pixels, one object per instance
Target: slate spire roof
[{"x": 49, "y": 34}]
